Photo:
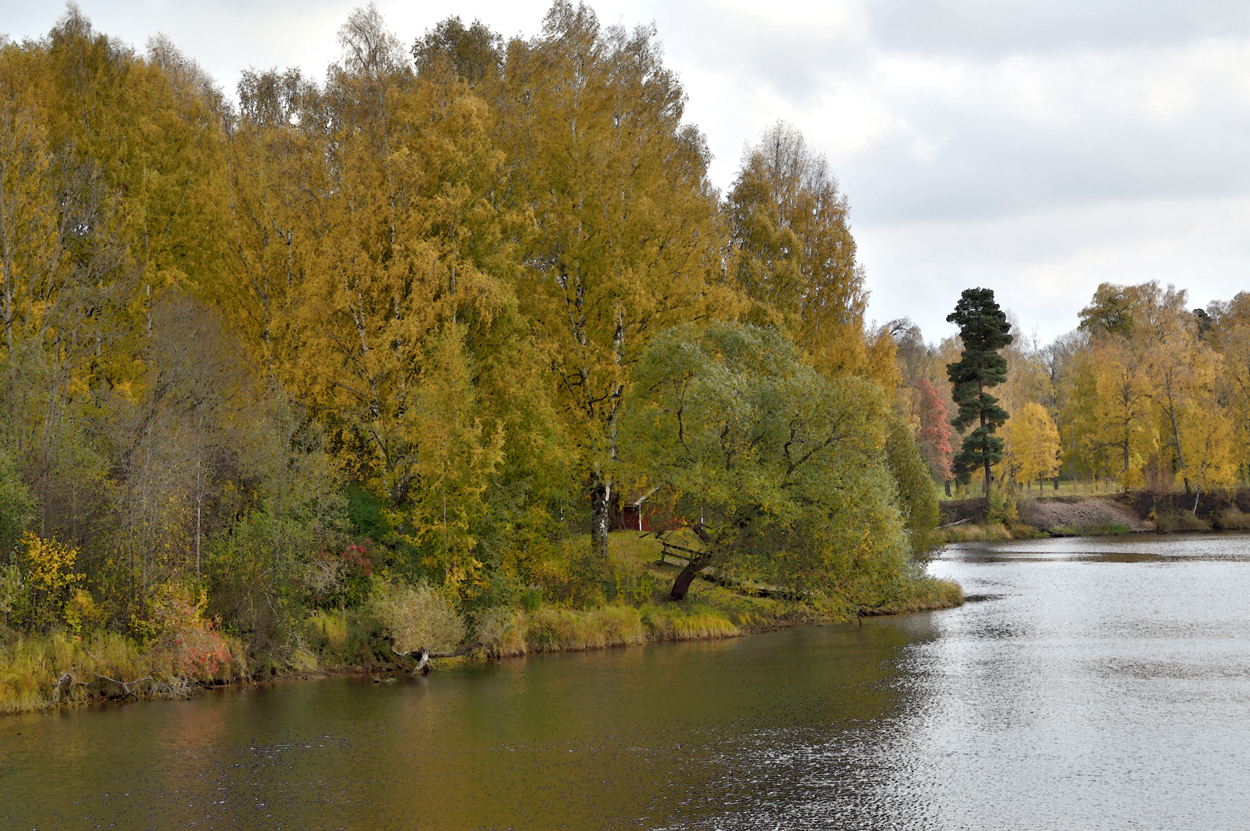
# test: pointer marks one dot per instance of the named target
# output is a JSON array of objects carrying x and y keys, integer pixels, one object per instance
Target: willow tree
[
  {"x": 984, "y": 330},
  {"x": 781, "y": 473},
  {"x": 622, "y": 221}
]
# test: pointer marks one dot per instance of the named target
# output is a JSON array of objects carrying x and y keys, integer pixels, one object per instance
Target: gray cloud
[{"x": 998, "y": 27}]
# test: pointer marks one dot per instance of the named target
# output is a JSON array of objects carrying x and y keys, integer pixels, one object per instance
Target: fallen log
[{"x": 125, "y": 685}]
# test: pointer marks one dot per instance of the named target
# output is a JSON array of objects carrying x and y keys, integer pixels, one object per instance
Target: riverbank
[
  {"x": 1140, "y": 512},
  {"x": 39, "y": 672}
]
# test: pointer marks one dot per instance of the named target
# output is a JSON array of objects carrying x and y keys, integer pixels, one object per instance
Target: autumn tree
[
  {"x": 621, "y": 219},
  {"x": 401, "y": 285},
  {"x": 1033, "y": 444},
  {"x": 1154, "y": 361},
  {"x": 1232, "y": 339},
  {"x": 984, "y": 330},
  {"x": 275, "y": 171},
  {"x": 935, "y": 433},
  {"x": 1061, "y": 360},
  {"x": 473, "y": 53},
  {"x": 1206, "y": 437},
  {"x": 796, "y": 256},
  {"x": 1122, "y": 399}
]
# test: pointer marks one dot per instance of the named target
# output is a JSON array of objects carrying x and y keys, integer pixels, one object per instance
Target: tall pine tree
[{"x": 984, "y": 330}]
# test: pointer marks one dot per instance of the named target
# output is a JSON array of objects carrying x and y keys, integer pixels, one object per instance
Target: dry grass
[
  {"x": 1233, "y": 519},
  {"x": 1180, "y": 521},
  {"x": 95, "y": 666}
]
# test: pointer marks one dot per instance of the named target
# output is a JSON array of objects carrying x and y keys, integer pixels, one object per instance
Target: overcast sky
[{"x": 1035, "y": 147}]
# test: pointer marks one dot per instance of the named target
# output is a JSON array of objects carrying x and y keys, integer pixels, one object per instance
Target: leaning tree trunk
[{"x": 682, "y": 584}]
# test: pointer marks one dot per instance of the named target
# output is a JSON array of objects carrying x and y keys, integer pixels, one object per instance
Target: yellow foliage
[
  {"x": 1033, "y": 444},
  {"x": 49, "y": 563},
  {"x": 80, "y": 610}
]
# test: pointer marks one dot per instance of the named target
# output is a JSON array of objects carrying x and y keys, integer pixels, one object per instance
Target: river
[{"x": 1090, "y": 683}]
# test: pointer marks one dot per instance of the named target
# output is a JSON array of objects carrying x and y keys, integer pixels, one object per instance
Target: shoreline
[
  {"x": 1093, "y": 515},
  {"x": 713, "y": 614}
]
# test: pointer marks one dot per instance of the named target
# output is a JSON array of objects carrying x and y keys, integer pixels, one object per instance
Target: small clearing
[{"x": 1060, "y": 515}]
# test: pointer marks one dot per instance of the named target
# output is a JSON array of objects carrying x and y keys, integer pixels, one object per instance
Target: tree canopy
[
  {"x": 382, "y": 323},
  {"x": 781, "y": 473}
]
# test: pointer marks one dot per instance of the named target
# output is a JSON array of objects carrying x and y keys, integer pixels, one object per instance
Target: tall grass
[
  {"x": 924, "y": 594},
  {"x": 1173, "y": 521},
  {"x": 554, "y": 629},
  {"x": 973, "y": 532},
  {"x": 1233, "y": 519},
  {"x": 675, "y": 624},
  {"x": 41, "y": 669}
]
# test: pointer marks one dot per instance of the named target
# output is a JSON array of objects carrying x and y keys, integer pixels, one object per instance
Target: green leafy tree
[
  {"x": 984, "y": 330},
  {"x": 910, "y": 470},
  {"x": 780, "y": 473}
]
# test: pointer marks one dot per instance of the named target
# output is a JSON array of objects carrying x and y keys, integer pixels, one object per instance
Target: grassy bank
[
  {"x": 38, "y": 671},
  {"x": 59, "y": 668}
]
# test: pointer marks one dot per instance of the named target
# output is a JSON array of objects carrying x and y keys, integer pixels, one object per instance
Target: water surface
[{"x": 1097, "y": 683}]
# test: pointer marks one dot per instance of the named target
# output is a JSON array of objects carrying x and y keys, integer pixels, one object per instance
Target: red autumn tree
[{"x": 935, "y": 431}]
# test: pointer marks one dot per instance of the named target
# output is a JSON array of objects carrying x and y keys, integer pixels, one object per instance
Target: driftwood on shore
[
  {"x": 68, "y": 679},
  {"x": 422, "y": 656}
]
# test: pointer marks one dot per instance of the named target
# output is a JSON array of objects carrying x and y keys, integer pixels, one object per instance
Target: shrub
[
  {"x": 629, "y": 581},
  {"x": 340, "y": 578},
  {"x": 1173, "y": 521},
  {"x": 1233, "y": 519},
  {"x": 499, "y": 632},
  {"x": 340, "y": 637},
  {"x": 186, "y": 643},
  {"x": 1000, "y": 507},
  {"x": 12, "y": 591},
  {"x": 50, "y": 572},
  {"x": 416, "y": 616}
]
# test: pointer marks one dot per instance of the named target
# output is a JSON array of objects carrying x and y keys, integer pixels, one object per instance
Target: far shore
[{"x": 1045, "y": 514}]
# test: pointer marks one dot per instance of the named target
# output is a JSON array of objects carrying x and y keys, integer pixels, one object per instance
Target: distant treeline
[{"x": 1145, "y": 394}]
